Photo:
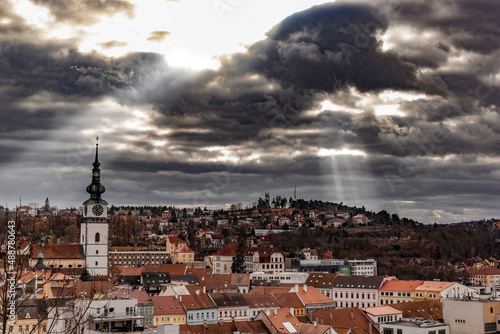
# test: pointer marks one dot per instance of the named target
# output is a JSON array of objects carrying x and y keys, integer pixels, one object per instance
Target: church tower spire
[
  {"x": 95, "y": 189},
  {"x": 94, "y": 229}
]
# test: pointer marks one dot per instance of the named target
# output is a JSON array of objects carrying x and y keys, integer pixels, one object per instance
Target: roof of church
[{"x": 58, "y": 251}]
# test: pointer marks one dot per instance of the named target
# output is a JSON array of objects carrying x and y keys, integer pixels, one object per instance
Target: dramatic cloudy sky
[{"x": 387, "y": 104}]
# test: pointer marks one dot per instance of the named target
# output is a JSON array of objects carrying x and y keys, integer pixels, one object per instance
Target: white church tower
[{"x": 94, "y": 229}]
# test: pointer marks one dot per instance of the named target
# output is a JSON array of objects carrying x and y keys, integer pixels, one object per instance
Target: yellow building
[
  {"x": 27, "y": 321},
  {"x": 174, "y": 243},
  {"x": 183, "y": 255},
  {"x": 435, "y": 290},
  {"x": 487, "y": 276},
  {"x": 393, "y": 292},
  {"x": 168, "y": 310}
]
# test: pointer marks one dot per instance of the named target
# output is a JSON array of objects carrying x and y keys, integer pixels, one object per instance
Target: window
[
  {"x": 399, "y": 331},
  {"x": 97, "y": 251},
  {"x": 441, "y": 331},
  {"x": 490, "y": 327},
  {"x": 388, "y": 331},
  {"x": 431, "y": 332},
  {"x": 97, "y": 237}
]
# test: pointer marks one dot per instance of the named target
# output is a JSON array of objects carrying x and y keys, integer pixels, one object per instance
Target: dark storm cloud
[{"x": 85, "y": 12}]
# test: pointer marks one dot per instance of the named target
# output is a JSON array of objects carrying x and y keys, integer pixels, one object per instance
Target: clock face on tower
[{"x": 97, "y": 210}]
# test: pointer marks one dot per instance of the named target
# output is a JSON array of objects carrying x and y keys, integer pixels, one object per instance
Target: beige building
[
  {"x": 136, "y": 257},
  {"x": 472, "y": 316},
  {"x": 174, "y": 243},
  {"x": 435, "y": 290}
]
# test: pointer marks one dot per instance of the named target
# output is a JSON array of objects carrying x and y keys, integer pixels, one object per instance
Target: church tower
[{"x": 94, "y": 229}]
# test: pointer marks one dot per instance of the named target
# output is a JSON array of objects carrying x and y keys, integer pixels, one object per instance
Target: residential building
[
  {"x": 323, "y": 282},
  {"x": 168, "y": 310},
  {"x": 366, "y": 267},
  {"x": 231, "y": 307},
  {"x": 487, "y": 277},
  {"x": 174, "y": 243},
  {"x": 280, "y": 321},
  {"x": 200, "y": 308},
  {"x": 257, "y": 303},
  {"x": 312, "y": 299},
  {"x": 106, "y": 315},
  {"x": 383, "y": 314},
  {"x": 309, "y": 254},
  {"x": 136, "y": 257},
  {"x": 360, "y": 219},
  {"x": 292, "y": 301},
  {"x": 265, "y": 259},
  {"x": 472, "y": 316},
  {"x": 392, "y": 292},
  {"x": 222, "y": 260},
  {"x": 183, "y": 255},
  {"x": 145, "y": 305},
  {"x": 436, "y": 290},
  {"x": 344, "y": 321},
  {"x": 357, "y": 291}
]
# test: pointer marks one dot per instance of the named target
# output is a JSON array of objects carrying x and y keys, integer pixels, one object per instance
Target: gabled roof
[
  {"x": 255, "y": 326},
  {"x": 141, "y": 295},
  {"x": 259, "y": 290},
  {"x": 261, "y": 301},
  {"x": 305, "y": 328},
  {"x": 128, "y": 271},
  {"x": 227, "y": 250},
  {"x": 432, "y": 310},
  {"x": 197, "y": 301},
  {"x": 175, "y": 240},
  {"x": 184, "y": 249},
  {"x": 228, "y": 299},
  {"x": 400, "y": 285},
  {"x": 358, "y": 282},
  {"x": 217, "y": 282},
  {"x": 434, "y": 286},
  {"x": 167, "y": 305},
  {"x": 321, "y": 280},
  {"x": 488, "y": 271},
  {"x": 283, "y": 321},
  {"x": 88, "y": 289},
  {"x": 344, "y": 319},
  {"x": 310, "y": 295},
  {"x": 240, "y": 279},
  {"x": 172, "y": 269},
  {"x": 288, "y": 300}
]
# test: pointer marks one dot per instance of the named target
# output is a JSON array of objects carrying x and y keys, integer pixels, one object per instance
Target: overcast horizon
[{"x": 391, "y": 105}]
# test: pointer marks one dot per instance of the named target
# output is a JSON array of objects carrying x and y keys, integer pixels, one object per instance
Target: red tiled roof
[
  {"x": 488, "y": 271},
  {"x": 288, "y": 300},
  {"x": 175, "y": 240},
  {"x": 432, "y": 310},
  {"x": 141, "y": 295},
  {"x": 172, "y": 269},
  {"x": 400, "y": 285},
  {"x": 183, "y": 249},
  {"x": 261, "y": 301},
  {"x": 310, "y": 295},
  {"x": 343, "y": 320},
  {"x": 57, "y": 252},
  {"x": 167, "y": 305},
  {"x": 197, "y": 301},
  {"x": 228, "y": 250}
]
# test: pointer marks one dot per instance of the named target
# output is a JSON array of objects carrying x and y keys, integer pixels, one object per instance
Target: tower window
[
  {"x": 97, "y": 251},
  {"x": 97, "y": 237},
  {"x": 96, "y": 263}
]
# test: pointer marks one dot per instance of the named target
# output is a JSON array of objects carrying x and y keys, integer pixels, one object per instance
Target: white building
[
  {"x": 282, "y": 277},
  {"x": 94, "y": 227},
  {"x": 366, "y": 267},
  {"x": 415, "y": 326}
]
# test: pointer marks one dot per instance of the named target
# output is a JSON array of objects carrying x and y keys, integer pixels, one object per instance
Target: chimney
[
  {"x": 197, "y": 292},
  {"x": 180, "y": 298},
  {"x": 305, "y": 288},
  {"x": 204, "y": 289},
  {"x": 315, "y": 324},
  {"x": 268, "y": 313},
  {"x": 331, "y": 318},
  {"x": 352, "y": 314},
  {"x": 203, "y": 278},
  {"x": 292, "y": 311},
  {"x": 296, "y": 288}
]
